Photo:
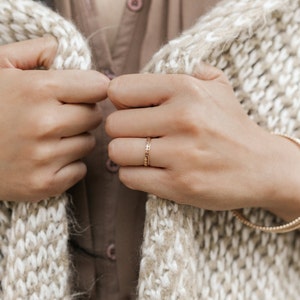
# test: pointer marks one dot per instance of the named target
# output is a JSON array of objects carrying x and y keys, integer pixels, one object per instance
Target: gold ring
[{"x": 147, "y": 152}]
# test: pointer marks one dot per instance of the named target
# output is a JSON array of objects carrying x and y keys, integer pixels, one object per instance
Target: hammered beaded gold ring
[{"x": 147, "y": 152}]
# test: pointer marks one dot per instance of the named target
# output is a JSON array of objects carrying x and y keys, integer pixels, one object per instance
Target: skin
[
  {"x": 205, "y": 151},
  {"x": 45, "y": 121}
]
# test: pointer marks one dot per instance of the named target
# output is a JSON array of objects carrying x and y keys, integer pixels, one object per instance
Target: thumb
[
  {"x": 206, "y": 72},
  {"x": 29, "y": 54}
]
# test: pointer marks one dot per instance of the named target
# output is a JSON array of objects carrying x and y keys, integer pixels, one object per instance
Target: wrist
[{"x": 283, "y": 195}]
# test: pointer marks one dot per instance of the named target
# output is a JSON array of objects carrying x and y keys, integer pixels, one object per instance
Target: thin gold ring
[{"x": 147, "y": 152}]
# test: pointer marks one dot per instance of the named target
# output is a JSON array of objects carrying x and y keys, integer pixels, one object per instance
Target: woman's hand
[
  {"x": 205, "y": 151},
  {"x": 45, "y": 120}
]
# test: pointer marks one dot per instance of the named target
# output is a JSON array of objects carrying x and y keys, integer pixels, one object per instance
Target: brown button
[
  {"x": 111, "y": 166},
  {"x": 111, "y": 252},
  {"x": 135, "y": 5}
]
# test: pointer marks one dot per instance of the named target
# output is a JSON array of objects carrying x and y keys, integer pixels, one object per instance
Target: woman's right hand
[{"x": 45, "y": 119}]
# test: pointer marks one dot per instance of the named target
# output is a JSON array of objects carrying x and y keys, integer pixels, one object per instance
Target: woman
[{"x": 197, "y": 159}]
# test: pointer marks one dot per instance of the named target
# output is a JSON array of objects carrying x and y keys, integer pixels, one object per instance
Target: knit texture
[
  {"x": 189, "y": 253},
  {"x": 34, "y": 260}
]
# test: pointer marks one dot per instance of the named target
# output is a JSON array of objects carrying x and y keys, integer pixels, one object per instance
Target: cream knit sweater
[
  {"x": 187, "y": 253},
  {"x": 34, "y": 260}
]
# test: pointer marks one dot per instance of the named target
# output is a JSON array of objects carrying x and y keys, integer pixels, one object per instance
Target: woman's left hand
[{"x": 205, "y": 151}]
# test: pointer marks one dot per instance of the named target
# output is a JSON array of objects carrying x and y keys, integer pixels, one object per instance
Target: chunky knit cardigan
[
  {"x": 34, "y": 260},
  {"x": 187, "y": 253}
]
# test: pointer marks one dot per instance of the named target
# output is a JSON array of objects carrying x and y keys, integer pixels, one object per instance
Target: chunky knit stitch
[
  {"x": 189, "y": 253},
  {"x": 34, "y": 260}
]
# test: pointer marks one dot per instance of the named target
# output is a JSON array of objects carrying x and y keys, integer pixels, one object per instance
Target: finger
[
  {"x": 141, "y": 122},
  {"x": 63, "y": 152},
  {"x": 69, "y": 86},
  {"x": 76, "y": 118},
  {"x": 29, "y": 54},
  {"x": 65, "y": 160},
  {"x": 80, "y": 86},
  {"x": 74, "y": 148},
  {"x": 150, "y": 180},
  {"x": 141, "y": 90},
  {"x": 68, "y": 175},
  {"x": 131, "y": 152}
]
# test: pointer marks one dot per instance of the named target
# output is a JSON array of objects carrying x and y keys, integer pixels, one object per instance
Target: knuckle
[
  {"x": 43, "y": 185},
  {"x": 191, "y": 86},
  {"x": 186, "y": 82},
  {"x": 45, "y": 83},
  {"x": 40, "y": 155},
  {"x": 39, "y": 85},
  {"x": 187, "y": 119},
  {"x": 48, "y": 125},
  {"x": 31, "y": 91},
  {"x": 188, "y": 113},
  {"x": 43, "y": 87}
]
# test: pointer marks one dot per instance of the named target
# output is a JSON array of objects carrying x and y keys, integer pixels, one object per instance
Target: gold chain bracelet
[
  {"x": 290, "y": 226},
  {"x": 293, "y": 225}
]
